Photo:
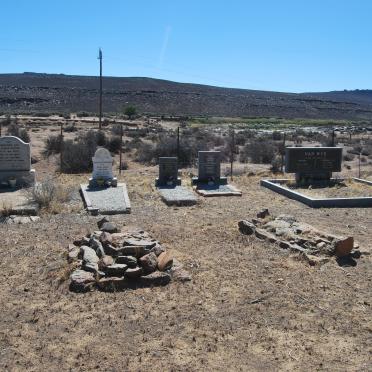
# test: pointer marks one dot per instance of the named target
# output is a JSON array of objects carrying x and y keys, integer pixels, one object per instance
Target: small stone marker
[
  {"x": 168, "y": 172},
  {"x": 102, "y": 169},
  {"x": 313, "y": 164},
  {"x": 15, "y": 162},
  {"x": 209, "y": 169}
]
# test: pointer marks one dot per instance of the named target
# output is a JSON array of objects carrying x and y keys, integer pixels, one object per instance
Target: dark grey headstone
[
  {"x": 313, "y": 163},
  {"x": 209, "y": 168},
  {"x": 168, "y": 172}
]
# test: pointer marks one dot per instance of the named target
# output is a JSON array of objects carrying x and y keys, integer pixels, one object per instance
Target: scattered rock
[
  {"x": 130, "y": 261},
  {"x": 104, "y": 262},
  {"x": 158, "y": 249},
  {"x": 134, "y": 273},
  {"x": 116, "y": 270},
  {"x": 109, "y": 227},
  {"x": 81, "y": 280},
  {"x": 157, "y": 278},
  {"x": 343, "y": 246},
  {"x": 111, "y": 283},
  {"x": 141, "y": 242},
  {"x": 102, "y": 221},
  {"x": 97, "y": 246},
  {"x": 90, "y": 259},
  {"x": 179, "y": 274},
  {"x": 149, "y": 262},
  {"x": 105, "y": 238},
  {"x": 246, "y": 227},
  {"x": 136, "y": 251},
  {"x": 265, "y": 235},
  {"x": 73, "y": 254},
  {"x": 263, "y": 213},
  {"x": 165, "y": 261},
  {"x": 315, "y": 260}
]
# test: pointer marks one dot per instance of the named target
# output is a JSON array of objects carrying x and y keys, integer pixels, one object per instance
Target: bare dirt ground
[{"x": 250, "y": 305}]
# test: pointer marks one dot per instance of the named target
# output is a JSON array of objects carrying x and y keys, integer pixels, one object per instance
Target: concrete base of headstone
[
  {"x": 17, "y": 202},
  {"x": 217, "y": 190},
  {"x": 197, "y": 181},
  {"x": 106, "y": 200},
  {"x": 178, "y": 195},
  {"x": 109, "y": 182},
  {"x": 173, "y": 184},
  {"x": 23, "y": 178}
]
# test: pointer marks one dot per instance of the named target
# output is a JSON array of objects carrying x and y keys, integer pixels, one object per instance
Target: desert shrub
[
  {"x": 5, "y": 122},
  {"x": 276, "y": 164},
  {"x": 15, "y": 130},
  {"x": 114, "y": 144},
  {"x": 124, "y": 165},
  {"x": 259, "y": 152},
  {"x": 277, "y": 136},
  {"x": 101, "y": 139},
  {"x": 349, "y": 157},
  {"x": 52, "y": 145},
  {"x": 130, "y": 111},
  {"x": 48, "y": 192},
  {"x": 116, "y": 129},
  {"x": 70, "y": 128},
  {"x": 82, "y": 114},
  {"x": 363, "y": 160}
]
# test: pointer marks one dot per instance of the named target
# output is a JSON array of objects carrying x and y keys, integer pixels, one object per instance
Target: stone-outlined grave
[
  {"x": 209, "y": 181},
  {"x": 313, "y": 167},
  {"x": 15, "y": 163},
  {"x": 169, "y": 184},
  {"x": 103, "y": 194}
]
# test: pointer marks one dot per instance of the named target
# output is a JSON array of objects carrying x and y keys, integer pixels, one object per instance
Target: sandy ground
[{"x": 250, "y": 306}]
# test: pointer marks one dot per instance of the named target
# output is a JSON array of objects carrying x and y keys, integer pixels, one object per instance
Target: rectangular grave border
[
  {"x": 94, "y": 211},
  {"x": 358, "y": 202}
]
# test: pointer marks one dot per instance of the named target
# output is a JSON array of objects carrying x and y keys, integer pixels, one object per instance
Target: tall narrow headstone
[
  {"x": 168, "y": 172},
  {"x": 15, "y": 162},
  {"x": 209, "y": 168}
]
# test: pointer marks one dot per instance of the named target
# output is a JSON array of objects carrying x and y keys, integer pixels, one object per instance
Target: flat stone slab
[
  {"x": 17, "y": 202},
  {"x": 178, "y": 195},
  {"x": 217, "y": 190},
  {"x": 106, "y": 200}
]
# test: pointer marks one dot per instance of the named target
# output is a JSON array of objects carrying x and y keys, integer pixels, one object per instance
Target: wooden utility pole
[
  {"x": 100, "y": 88},
  {"x": 178, "y": 144},
  {"x": 121, "y": 147},
  {"x": 232, "y": 149},
  {"x": 61, "y": 149}
]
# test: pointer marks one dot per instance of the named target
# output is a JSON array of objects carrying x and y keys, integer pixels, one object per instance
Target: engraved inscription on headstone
[
  {"x": 168, "y": 172},
  {"x": 14, "y": 154},
  {"x": 15, "y": 162},
  {"x": 209, "y": 166},
  {"x": 313, "y": 162},
  {"x": 102, "y": 164}
]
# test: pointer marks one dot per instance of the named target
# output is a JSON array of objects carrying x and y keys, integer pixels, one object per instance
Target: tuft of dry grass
[{"x": 6, "y": 209}]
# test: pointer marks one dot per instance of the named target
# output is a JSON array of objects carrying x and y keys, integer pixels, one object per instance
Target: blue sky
[{"x": 282, "y": 45}]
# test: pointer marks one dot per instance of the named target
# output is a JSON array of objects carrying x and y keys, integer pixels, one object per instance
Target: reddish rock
[
  {"x": 165, "y": 261},
  {"x": 149, "y": 262},
  {"x": 343, "y": 246}
]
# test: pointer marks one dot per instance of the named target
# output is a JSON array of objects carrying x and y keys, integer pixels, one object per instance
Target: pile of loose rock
[
  {"x": 109, "y": 259},
  {"x": 288, "y": 233}
]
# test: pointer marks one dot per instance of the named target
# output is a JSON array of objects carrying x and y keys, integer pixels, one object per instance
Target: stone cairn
[
  {"x": 287, "y": 233},
  {"x": 109, "y": 259}
]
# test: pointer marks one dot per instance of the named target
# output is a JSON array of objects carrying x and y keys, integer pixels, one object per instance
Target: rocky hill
[{"x": 33, "y": 92}]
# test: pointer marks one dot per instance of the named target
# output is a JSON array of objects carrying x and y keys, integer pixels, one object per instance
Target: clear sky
[{"x": 282, "y": 45}]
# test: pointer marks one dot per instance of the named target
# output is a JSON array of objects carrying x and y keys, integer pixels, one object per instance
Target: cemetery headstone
[
  {"x": 313, "y": 164},
  {"x": 15, "y": 163},
  {"x": 209, "y": 169},
  {"x": 102, "y": 169},
  {"x": 168, "y": 172}
]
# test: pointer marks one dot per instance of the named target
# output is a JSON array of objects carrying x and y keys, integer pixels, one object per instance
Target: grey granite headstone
[
  {"x": 168, "y": 172},
  {"x": 313, "y": 164},
  {"x": 15, "y": 162},
  {"x": 209, "y": 168}
]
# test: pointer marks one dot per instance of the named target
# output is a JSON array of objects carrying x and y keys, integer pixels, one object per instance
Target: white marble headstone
[
  {"x": 102, "y": 164},
  {"x": 15, "y": 155}
]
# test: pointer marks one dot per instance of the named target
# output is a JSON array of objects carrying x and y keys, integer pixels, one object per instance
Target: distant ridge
[{"x": 33, "y": 92}]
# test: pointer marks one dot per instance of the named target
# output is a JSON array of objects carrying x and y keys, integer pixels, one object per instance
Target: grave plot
[
  {"x": 111, "y": 259},
  {"x": 315, "y": 246},
  {"x": 103, "y": 194},
  {"x": 209, "y": 181},
  {"x": 314, "y": 185},
  {"x": 169, "y": 184}
]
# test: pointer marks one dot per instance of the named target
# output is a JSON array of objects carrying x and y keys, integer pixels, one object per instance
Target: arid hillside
[{"x": 31, "y": 92}]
